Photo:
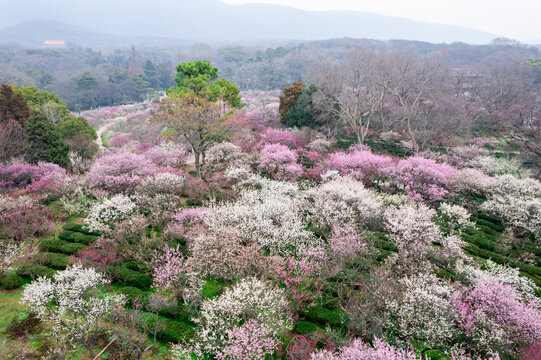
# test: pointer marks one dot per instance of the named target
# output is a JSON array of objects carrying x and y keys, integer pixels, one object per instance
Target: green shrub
[
  {"x": 131, "y": 293},
  {"x": 22, "y": 327},
  {"x": 137, "y": 266},
  {"x": 10, "y": 280},
  {"x": 60, "y": 246},
  {"x": 121, "y": 274},
  {"x": 212, "y": 288},
  {"x": 81, "y": 228},
  {"x": 194, "y": 202},
  {"x": 175, "y": 331},
  {"x": 33, "y": 270},
  {"x": 170, "y": 330},
  {"x": 322, "y": 316},
  {"x": 306, "y": 327},
  {"x": 54, "y": 260},
  {"x": 445, "y": 274},
  {"x": 77, "y": 237}
]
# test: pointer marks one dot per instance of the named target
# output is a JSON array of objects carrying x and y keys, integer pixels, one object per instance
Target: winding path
[{"x": 99, "y": 133}]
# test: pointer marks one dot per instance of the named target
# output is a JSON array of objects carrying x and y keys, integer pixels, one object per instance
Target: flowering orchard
[{"x": 282, "y": 243}]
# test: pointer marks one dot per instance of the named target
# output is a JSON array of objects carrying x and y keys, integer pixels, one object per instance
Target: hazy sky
[{"x": 517, "y": 19}]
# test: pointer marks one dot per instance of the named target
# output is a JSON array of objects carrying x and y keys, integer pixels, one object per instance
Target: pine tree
[
  {"x": 45, "y": 143},
  {"x": 151, "y": 75}
]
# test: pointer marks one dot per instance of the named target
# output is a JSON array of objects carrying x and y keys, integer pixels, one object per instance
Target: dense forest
[{"x": 85, "y": 78}]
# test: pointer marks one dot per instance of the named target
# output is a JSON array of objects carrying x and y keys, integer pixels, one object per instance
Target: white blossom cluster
[
  {"x": 424, "y": 310},
  {"x": 320, "y": 145},
  {"x": 412, "y": 230},
  {"x": 9, "y": 251},
  {"x": 248, "y": 299},
  {"x": 497, "y": 166},
  {"x": 242, "y": 177},
  {"x": 520, "y": 214},
  {"x": 77, "y": 202},
  {"x": 7, "y": 205},
  {"x": 524, "y": 286},
  {"x": 68, "y": 303},
  {"x": 344, "y": 201},
  {"x": 455, "y": 217},
  {"x": 222, "y": 155},
  {"x": 471, "y": 182},
  {"x": 105, "y": 215},
  {"x": 271, "y": 217},
  {"x": 162, "y": 183},
  {"x": 507, "y": 185}
]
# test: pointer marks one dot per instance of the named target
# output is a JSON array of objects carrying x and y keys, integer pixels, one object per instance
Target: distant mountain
[
  {"x": 215, "y": 22},
  {"x": 33, "y": 34}
]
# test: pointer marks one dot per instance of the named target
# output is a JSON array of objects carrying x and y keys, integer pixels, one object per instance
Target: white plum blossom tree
[{"x": 69, "y": 302}]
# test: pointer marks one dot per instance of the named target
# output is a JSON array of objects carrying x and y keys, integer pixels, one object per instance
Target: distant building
[{"x": 54, "y": 43}]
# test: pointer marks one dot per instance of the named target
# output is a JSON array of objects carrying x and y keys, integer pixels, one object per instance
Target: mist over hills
[{"x": 157, "y": 23}]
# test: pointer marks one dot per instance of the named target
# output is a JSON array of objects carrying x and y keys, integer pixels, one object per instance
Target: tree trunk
[
  {"x": 197, "y": 164},
  {"x": 412, "y": 137}
]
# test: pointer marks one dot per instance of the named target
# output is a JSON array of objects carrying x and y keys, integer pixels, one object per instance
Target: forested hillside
[{"x": 86, "y": 78}]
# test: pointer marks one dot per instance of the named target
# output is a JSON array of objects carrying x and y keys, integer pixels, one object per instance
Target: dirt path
[{"x": 99, "y": 132}]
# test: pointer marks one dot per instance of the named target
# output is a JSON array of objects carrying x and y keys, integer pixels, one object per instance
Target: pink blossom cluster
[
  {"x": 280, "y": 162},
  {"x": 119, "y": 140},
  {"x": 168, "y": 268},
  {"x": 21, "y": 218},
  {"x": 363, "y": 165},
  {"x": 480, "y": 142},
  {"x": 163, "y": 156},
  {"x": 424, "y": 179},
  {"x": 295, "y": 275},
  {"x": 186, "y": 218},
  {"x": 345, "y": 242},
  {"x": 98, "y": 255},
  {"x": 253, "y": 340},
  {"x": 283, "y": 137},
  {"x": 117, "y": 173},
  {"x": 359, "y": 351},
  {"x": 40, "y": 178},
  {"x": 493, "y": 315}
]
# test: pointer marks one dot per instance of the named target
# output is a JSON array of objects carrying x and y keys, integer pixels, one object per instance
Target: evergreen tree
[
  {"x": 302, "y": 114},
  {"x": 12, "y": 106},
  {"x": 289, "y": 99},
  {"x": 151, "y": 75},
  {"x": 45, "y": 143}
]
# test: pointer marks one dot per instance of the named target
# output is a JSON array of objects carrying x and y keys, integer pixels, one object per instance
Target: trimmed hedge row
[
  {"x": 77, "y": 237},
  {"x": 80, "y": 228},
  {"x": 10, "y": 280},
  {"x": 53, "y": 260},
  {"x": 483, "y": 243},
  {"x": 124, "y": 275},
  {"x": 172, "y": 331},
  {"x": 33, "y": 270},
  {"x": 60, "y": 246}
]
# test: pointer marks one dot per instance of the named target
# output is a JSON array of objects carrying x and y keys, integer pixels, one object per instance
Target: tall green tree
[
  {"x": 43, "y": 101},
  {"x": 45, "y": 143},
  {"x": 151, "y": 74},
  {"x": 289, "y": 99},
  {"x": 138, "y": 87},
  {"x": 87, "y": 81},
  {"x": 195, "y": 76},
  {"x": 302, "y": 114},
  {"x": 12, "y": 105},
  {"x": 201, "y": 78}
]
